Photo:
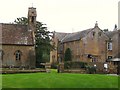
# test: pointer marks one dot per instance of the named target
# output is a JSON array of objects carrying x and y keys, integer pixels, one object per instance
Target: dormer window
[
  {"x": 109, "y": 45},
  {"x": 18, "y": 54}
]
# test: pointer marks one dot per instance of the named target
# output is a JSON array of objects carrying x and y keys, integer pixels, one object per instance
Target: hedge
[{"x": 74, "y": 64}]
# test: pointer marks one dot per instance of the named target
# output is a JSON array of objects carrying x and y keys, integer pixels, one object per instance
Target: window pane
[
  {"x": 109, "y": 57},
  {"x": 109, "y": 45},
  {"x": 18, "y": 55}
]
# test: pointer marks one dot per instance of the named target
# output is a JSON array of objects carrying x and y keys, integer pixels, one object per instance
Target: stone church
[
  {"x": 93, "y": 45},
  {"x": 18, "y": 42}
]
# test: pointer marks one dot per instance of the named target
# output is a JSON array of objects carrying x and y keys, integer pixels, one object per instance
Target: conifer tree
[{"x": 68, "y": 55}]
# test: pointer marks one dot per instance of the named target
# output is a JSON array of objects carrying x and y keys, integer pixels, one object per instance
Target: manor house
[{"x": 92, "y": 45}]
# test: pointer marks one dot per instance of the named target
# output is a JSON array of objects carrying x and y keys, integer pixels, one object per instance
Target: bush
[
  {"x": 91, "y": 69},
  {"x": 54, "y": 66},
  {"x": 68, "y": 65},
  {"x": 68, "y": 55}
]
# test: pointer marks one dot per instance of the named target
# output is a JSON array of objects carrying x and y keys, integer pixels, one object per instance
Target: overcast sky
[{"x": 64, "y": 15}]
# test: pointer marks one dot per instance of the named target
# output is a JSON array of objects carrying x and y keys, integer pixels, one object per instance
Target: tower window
[
  {"x": 18, "y": 54},
  {"x": 32, "y": 19}
]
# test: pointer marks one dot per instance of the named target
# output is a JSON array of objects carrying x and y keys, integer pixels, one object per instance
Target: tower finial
[{"x": 96, "y": 24}]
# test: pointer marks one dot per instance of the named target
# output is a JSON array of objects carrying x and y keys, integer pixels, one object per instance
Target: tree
[
  {"x": 43, "y": 39},
  {"x": 21, "y": 20},
  {"x": 68, "y": 55}
]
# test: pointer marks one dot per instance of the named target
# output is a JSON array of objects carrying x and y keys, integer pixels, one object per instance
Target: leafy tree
[
  {"x": 43, "y": 39},
  {"x": 68, "y": 55}
]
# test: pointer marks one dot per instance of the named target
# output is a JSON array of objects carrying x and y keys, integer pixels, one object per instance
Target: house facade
[
  {"x": 18, "y": 42},
  {"x": 94, "y": 46}
]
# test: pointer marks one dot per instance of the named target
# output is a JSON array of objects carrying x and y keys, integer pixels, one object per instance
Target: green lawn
[{"x": 58, "y": 80}]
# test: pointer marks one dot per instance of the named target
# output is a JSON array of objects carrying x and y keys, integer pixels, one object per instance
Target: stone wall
[
  {"x": 27, "y": 56},
  {"x": 94, "y": 44},
  {"x": 90, "y": 44},
  {"x": 54, "y": 53}
]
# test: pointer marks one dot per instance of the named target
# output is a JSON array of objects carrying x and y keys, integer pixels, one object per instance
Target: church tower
[{"x": 32, "y": 14}]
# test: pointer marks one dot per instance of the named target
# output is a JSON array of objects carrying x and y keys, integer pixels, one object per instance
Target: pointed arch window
[
  {"x": 32, "y": 19},
  {"x": 18, "y": 54}
]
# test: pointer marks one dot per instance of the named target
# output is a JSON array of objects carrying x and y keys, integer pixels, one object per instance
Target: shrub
[
  {"x": 91, "y": 69},
  {"x": 67, "y": 65},
  {"x": 54, "y": 66},
  {"x": 75, "y": 64},
  {"x": 68, "y": 55}
]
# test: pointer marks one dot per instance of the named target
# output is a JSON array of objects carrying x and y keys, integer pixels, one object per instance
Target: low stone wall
[
  {"x": 61, "y": 68},
  {"x": 48, "y": 67},
  {"x": 82, "y": 71},
  {"x": 21, "y": 71},
  {"x": 98, "y": 66}
]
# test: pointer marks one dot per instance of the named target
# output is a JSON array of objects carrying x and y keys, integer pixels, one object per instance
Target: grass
[{"x": 58, "y": 80}]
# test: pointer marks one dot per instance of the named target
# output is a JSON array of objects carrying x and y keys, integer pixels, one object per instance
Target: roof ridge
[
  {"x": 65, "y": 36},
  {"x": 76, "y": 35},
  {"x": 13, "y": 24}
]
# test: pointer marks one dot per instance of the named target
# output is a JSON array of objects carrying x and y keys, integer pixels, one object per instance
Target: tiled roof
[
  {"x": 16, "y": 34},
  {"x": 76, "y": 35}
]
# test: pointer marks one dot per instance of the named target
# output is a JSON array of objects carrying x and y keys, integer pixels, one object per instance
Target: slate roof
[
  {"x": 14, "y": 34},
  {"x": 67, "y": 37},
  {"x": 76, "y": 35},
  {"x": 60, "y": 35},
  {"x": 110, "y": 34}
]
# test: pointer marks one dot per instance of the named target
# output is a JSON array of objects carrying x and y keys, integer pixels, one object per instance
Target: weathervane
[{"x": 32, "y": 4}]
